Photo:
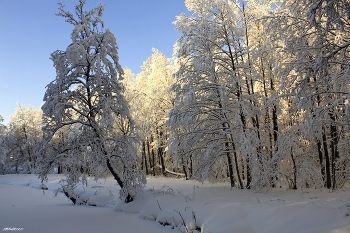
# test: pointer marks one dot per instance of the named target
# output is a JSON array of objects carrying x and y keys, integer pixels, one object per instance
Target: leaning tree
[{"x": 86, "y": 99}]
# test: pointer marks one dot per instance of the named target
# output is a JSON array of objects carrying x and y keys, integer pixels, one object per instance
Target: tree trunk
[
  {"x": 184, "y": 168},
  {"x": 230, "y": 167},
  {"x": 334, "y": 149},
  {"x": 294, "y": 170},
  {"x": 242, "y": 171},
  {"x": 326, "y": 155},
  {"x": 274, "y": 118},
  {"x": 151, "y": 166},
  {"x": 115, "y": 174},
  {"x": 161, "y": 159},
  {"x": 161, "y": 152},
  {"x": 153, "y": 159},
  {"x": 144, "y": 157},
  {"x": 320, "y": 157},
  {"x": 248, "y": 175},
  {"x": 191, "y": 167},
  {"x": 237, "y": 169}
]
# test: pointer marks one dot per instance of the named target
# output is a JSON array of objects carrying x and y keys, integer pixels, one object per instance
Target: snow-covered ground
[{"x": 178, "y": 204}]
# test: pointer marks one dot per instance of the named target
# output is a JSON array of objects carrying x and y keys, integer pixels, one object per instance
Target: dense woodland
[{"x": 256, "y": 95}]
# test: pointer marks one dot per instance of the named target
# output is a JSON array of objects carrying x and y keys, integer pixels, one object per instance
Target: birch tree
[
  {"x": 225, "y": 86},
  {"x": 150, "y": 104},
  {"x": 87, "y": 96},
  {"x": 20, "y": 139},
  {"x": 202, "y": 120},
  {"x": 317, "y": 43}
]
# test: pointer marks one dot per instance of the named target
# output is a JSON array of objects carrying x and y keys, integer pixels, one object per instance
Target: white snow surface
[{"x": 185, "y": 206}]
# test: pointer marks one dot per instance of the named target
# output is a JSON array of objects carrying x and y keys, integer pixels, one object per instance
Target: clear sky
[{"x": 30, "y": 31}]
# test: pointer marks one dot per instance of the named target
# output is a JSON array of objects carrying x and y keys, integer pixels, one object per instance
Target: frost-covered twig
[
  {"x": 164, "y": 190},
  {"x": 186, "y": 197},
  {"x": 183, "y": 220},
  {"x": 196, "y": 227},
  {"x": 193, "y": 195},
  {"x": 159, "y": 205}
]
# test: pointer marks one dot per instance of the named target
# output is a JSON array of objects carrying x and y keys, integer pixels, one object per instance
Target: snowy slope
[{"x": 179, "y": 204}]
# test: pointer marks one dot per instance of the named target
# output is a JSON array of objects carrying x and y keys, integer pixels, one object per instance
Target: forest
[{"x": 256, "y": 95}]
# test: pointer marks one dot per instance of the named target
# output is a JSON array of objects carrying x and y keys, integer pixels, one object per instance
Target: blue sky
[{"x": 30, "y": 32}]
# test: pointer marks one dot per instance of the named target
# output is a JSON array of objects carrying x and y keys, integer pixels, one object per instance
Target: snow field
[
  {"x": 35, "y": 212},
  {"x": 186, "y": 206}
]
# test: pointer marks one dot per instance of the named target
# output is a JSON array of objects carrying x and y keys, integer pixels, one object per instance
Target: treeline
[
  {"x": 262, "y": 93},
  {"x": 259, "y": 98},
  {"x": 18, "y": 140},
  {"x": 257, "y": 95}
]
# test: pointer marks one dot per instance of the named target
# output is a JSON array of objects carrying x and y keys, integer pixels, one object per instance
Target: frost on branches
[
  {"x": 317, "y": 43},
  {"x": 87, "y": 125},
  {"x": 262, "y": 93},
  {"x": 150, "y": 102},
  {"x": 224, "y": 120}
]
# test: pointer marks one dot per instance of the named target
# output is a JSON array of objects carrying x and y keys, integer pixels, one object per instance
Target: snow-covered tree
[
  {"x": 202, "y": 121},
  {"x": 20, "y": 139},
  {"x": 2, "y": 145},
  {"x": 150, "y": 102},
  {"x": 328, "y": 69},
  {"x": 315, "y": 33},
  {"x": 225, "y": 112},
  {"x": 87, "y": 99}
]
